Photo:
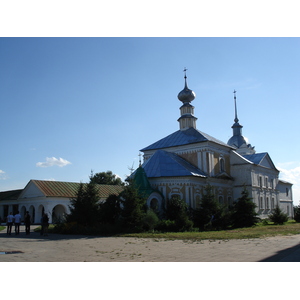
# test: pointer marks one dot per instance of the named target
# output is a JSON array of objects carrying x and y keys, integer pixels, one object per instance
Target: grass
[
  {"x": 258, "y": 231},
  {"x": 2, "y": 228}
]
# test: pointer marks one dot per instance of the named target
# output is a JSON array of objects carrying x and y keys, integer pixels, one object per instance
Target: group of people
[{"x": 16, "y": 220}]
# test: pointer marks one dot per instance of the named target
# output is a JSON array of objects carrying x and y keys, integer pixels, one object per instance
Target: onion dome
[{"x": 186, "y": 95}]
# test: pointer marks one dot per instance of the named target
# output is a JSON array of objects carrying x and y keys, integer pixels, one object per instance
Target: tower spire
[
  {"x": 236, "y": 118},
  {"x": 185, "y": 86}
]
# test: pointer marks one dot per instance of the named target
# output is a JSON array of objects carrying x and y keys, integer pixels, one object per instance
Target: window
[
  {"x": 222, "y": 165},
  {"x": 260, "y": 181},
  {"x": 266, "y": 182},
  {"x": 267, "y": 203},
  {"x": 287, "y": 192},
  {"x": 260, "y": 204},
  {"x": 272, "y": 203}
]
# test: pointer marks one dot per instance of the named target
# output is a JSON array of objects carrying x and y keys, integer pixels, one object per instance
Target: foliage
[
  {"x": 177, "y": 211},
  {"x": 204, "y": 216},
  {"x": 106, "y": 178},
  {"x": 150, "y": 220},
  {"x": 297, "y": 213},
  {"x": 244, "y": 214},
  {"x": 278, "y": 216},
  {"x": 84, "y": 209},
  {"x": 257, "y": 231},
  {"x": 110, "y": 210},
  {"x": 133, "y": 208}
]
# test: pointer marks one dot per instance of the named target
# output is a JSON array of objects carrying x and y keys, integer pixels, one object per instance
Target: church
[
  {"x": 180, "y": 165},
  {"x": 183, "y": 163}
]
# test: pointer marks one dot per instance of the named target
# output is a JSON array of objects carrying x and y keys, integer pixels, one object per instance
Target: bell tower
[{"x": 186, "y": 96}]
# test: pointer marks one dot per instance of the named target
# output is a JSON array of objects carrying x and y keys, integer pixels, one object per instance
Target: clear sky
[{"x": 72, "y": 105}]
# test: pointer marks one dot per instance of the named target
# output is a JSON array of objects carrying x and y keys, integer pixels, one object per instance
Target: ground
[{"x": 76, "y": 248}]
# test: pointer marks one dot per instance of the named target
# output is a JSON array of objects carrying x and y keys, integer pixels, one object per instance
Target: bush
[
  {"x": 297, "y": 213},
  {"x": 244, "y": 214},
  {"x": 278, "y": 216},
  {"x": 150, "y": 220}
]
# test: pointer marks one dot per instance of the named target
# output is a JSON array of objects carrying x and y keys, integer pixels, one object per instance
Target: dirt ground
[{"x": 77, "y": 248}]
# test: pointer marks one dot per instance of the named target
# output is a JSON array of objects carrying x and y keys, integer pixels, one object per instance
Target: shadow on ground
[{"x": 291, "y": 254}]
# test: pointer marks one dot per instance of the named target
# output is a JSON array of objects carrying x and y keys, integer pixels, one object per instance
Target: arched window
[
  {"x": 222, "y": 165},
  {"x": 154, "y": 204}
]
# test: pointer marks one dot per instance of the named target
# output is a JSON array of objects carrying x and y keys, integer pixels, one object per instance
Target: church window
[
  {"x": 272, "y": 203},
  {"x": 266, "y": 182},
  {"x": 154, "y": 204},
  {"x": 287, "y": 192},
  {"x": 267, "y": 203},
  {"x": 260, "y": 204},
  {"x": 260, "y": 181},
  {"x": 222, "y": 165},
  {"x": 288, "y": 210}
]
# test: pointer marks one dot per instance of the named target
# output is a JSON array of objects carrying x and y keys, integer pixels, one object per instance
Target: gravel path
[{"x": 77, "y": 248}]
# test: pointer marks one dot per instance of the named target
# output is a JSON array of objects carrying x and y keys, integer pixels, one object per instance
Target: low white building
[{"x": 51, "y": 197}]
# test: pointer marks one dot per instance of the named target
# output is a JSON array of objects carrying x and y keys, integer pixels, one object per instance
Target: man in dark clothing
[{"x": 27, "y": 222}]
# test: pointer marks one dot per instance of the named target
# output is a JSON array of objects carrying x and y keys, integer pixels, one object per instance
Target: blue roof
[
  {"x": 184, "y": 137},
  {"x": 167, "y": 164},
  {"x": 256, "y": 158}
]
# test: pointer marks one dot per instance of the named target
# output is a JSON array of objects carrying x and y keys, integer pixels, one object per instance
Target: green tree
[
  {"x": 209, "y": 210},
  {"x": 278, "y": 216},
  {"x": 177, "y": 210},
  {"x": 297, "y": 213},
  {"x": 106, "y": 178},
  {"x": 133, "y": 208},
  {"x": 110, "y": 210},
  {"x": 84, "y": 208},
  {"x": 244, "y": 214}
]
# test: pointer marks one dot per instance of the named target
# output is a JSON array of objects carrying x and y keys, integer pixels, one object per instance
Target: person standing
[
  {"x": 17, "y": 218},
  {"x": 45, "y": 224},
  {"x": 9, "y": 222},
  {"x": 27, "y": 222}
]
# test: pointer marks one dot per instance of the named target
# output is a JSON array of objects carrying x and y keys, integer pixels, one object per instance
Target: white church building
[{"x": 187, "y": 160}]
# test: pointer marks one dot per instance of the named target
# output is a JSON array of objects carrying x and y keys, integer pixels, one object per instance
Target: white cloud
[
  {"x": 292, "y": 176},
  {"x": 53, "y": 161},
  {"x": 2, "y": 175}
]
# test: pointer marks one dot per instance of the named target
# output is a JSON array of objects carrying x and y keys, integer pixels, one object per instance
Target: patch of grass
[
  {"x": 258, "y": 231},
  {"x": 2, "y": 228}
]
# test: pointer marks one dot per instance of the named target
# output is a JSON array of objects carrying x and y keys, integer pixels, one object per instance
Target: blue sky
[{"x": 72, "y": 105}]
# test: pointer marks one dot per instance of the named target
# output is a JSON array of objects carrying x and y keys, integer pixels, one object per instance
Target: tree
[
  {"x": 110, "y": 210},
  {"x": 134, "y": 208},
  {"x": 84, "y": 209},
  {"x": 278, "y": 216},
  {"x": 244, "y": 214},
  {"x": 297, "y": 213},
  {"x": 208, "y": 211},
  {"x": 106, "y": 178},
  {"x": 177, "y": 210}
]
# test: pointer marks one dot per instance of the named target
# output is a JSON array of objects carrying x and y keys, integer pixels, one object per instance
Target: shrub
[
  {"x": 297, "y": 213},
  {"x": 244, "y": 214},
  {"x": 278, "y": 216},
  {"x": 150, "y": 220}
]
